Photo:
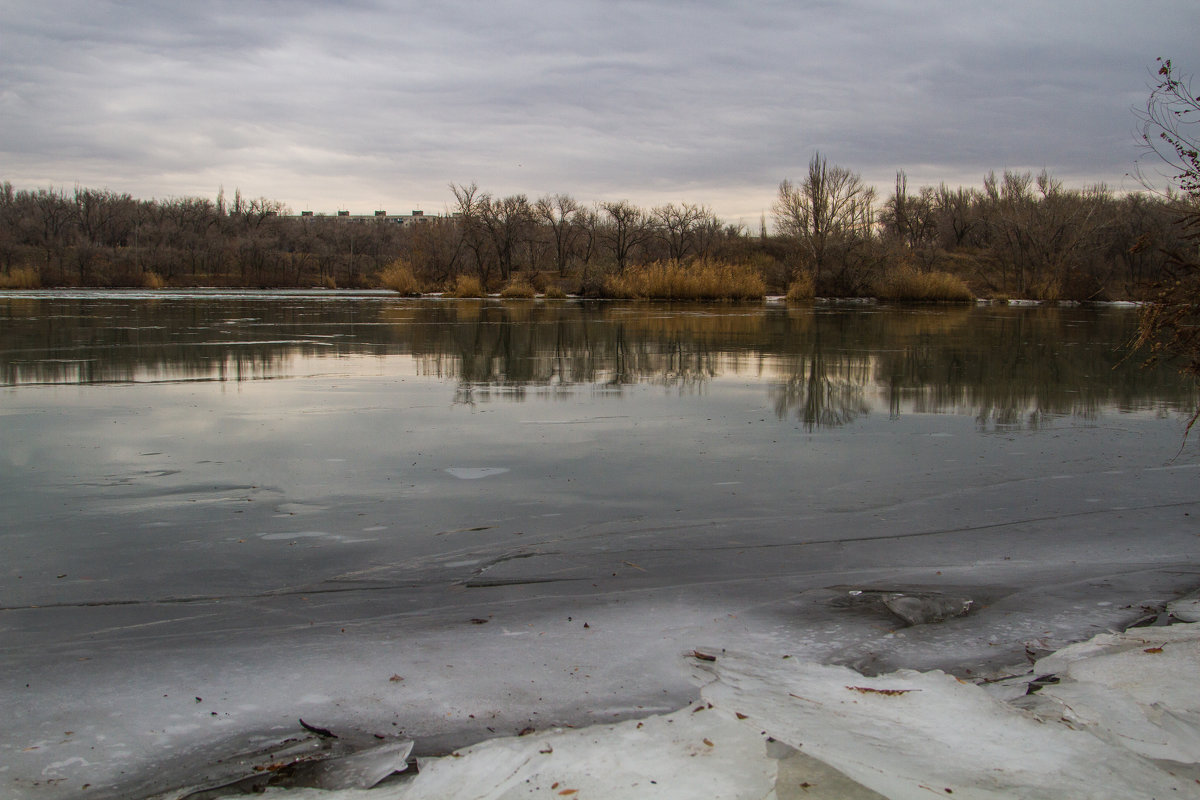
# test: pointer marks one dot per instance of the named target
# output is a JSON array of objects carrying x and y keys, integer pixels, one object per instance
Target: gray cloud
[{"x": 378, "y": 104}]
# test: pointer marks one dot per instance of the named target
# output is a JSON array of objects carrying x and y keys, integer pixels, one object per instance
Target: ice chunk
[
  {"x": 360, "y": 770},
  {"x": 920, "y": 608},
  {"x": 299, "y": 765},
  {"x": 1186, "y": 609},
  {"x": 908, "y": 734},
  {"x": 1136, "y": 689}
]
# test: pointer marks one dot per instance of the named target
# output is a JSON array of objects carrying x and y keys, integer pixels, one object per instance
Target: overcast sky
[{"x": 381, "y": 105}]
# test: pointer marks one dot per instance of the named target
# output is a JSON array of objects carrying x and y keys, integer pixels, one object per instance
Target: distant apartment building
[{"x": 415, "y": 217}]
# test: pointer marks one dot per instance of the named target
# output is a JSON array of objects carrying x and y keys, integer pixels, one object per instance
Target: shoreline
[{"x": 84, "y": 292}]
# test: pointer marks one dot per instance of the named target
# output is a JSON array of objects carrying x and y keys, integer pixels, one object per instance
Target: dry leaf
[{"x": 885, "y": 692}]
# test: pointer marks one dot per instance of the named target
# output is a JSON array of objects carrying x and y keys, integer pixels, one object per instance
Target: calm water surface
[{"x": 164, "y": 424}]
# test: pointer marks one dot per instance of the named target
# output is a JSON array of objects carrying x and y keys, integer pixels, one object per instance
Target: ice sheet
[{"x": 905, "y": 735}]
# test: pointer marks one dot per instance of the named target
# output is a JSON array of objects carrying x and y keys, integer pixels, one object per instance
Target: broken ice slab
[
  {"x": 908, "y": 734},
  {"x": 1136, "y": 689},
  {"x": 361, "y": 770},
  {"x": 1185, "y": 609},
  {"x": 299, "y": 765},
  {"x": 922, "y": 608}
]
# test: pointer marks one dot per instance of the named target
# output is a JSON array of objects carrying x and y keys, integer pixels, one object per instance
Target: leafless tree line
[{"x": 1020, "y": 234}]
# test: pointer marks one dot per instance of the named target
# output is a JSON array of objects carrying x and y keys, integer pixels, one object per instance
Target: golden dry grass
[
  {"x": 907, "y": 284},
  {"x": 152, "y": 280},
  {"x": 802, "y": 290},
  {"x": 696, "y": 281},
  {"x": 518, "y": 287},
  {"x": 398, "y": 276},
  {"x": 466, "y": 286},
  {"x": 21, "y": 278},
  {"x": 554, "y": 292}
]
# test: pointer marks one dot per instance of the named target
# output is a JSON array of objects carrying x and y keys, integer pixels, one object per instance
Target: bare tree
[
  {"x": 507, "y": 221},
  {"x": 829, "y": 206},
  {"x": 561, "y": 213},
  {"x": 1169, "y": 128},
  {"x": 470, "y": 202},
  {"x": 628, "y": 228},
  {"x": 909, "y": 218},
  {"x": 1044, "y": 235},
  {"x": 677, "y": 227},
  {"x": 1170, "y": 326}
]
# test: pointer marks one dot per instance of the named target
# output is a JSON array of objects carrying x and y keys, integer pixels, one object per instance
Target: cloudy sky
[{"x": 366, "y": 105}]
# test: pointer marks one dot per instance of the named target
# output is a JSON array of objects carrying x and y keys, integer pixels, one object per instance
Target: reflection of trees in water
[
  {"x": 1024, "y": 367},
  {"x": 824, "y": 389},
  {"x": 565, "y": 345},
  {"x": 81, "y": 342},
  {"x": 1005, "y": 366}
]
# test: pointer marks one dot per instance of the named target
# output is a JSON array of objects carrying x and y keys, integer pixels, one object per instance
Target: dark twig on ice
[{"x": 328, "y": 734}]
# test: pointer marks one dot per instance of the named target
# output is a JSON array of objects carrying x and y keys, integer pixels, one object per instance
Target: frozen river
[{"x": 449, "y": 520}]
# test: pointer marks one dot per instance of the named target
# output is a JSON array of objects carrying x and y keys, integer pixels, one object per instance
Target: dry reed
[
  {"x": 802, "y": 290},
  {"x": 907, "y": 284},
  {"x": 398, "y": 276},
  {"x": 696, "y": 281},
  {"x": 466, "y": 286},
  {"x": 518, "y": 287},
  {"x": 21, "y": 278}
]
